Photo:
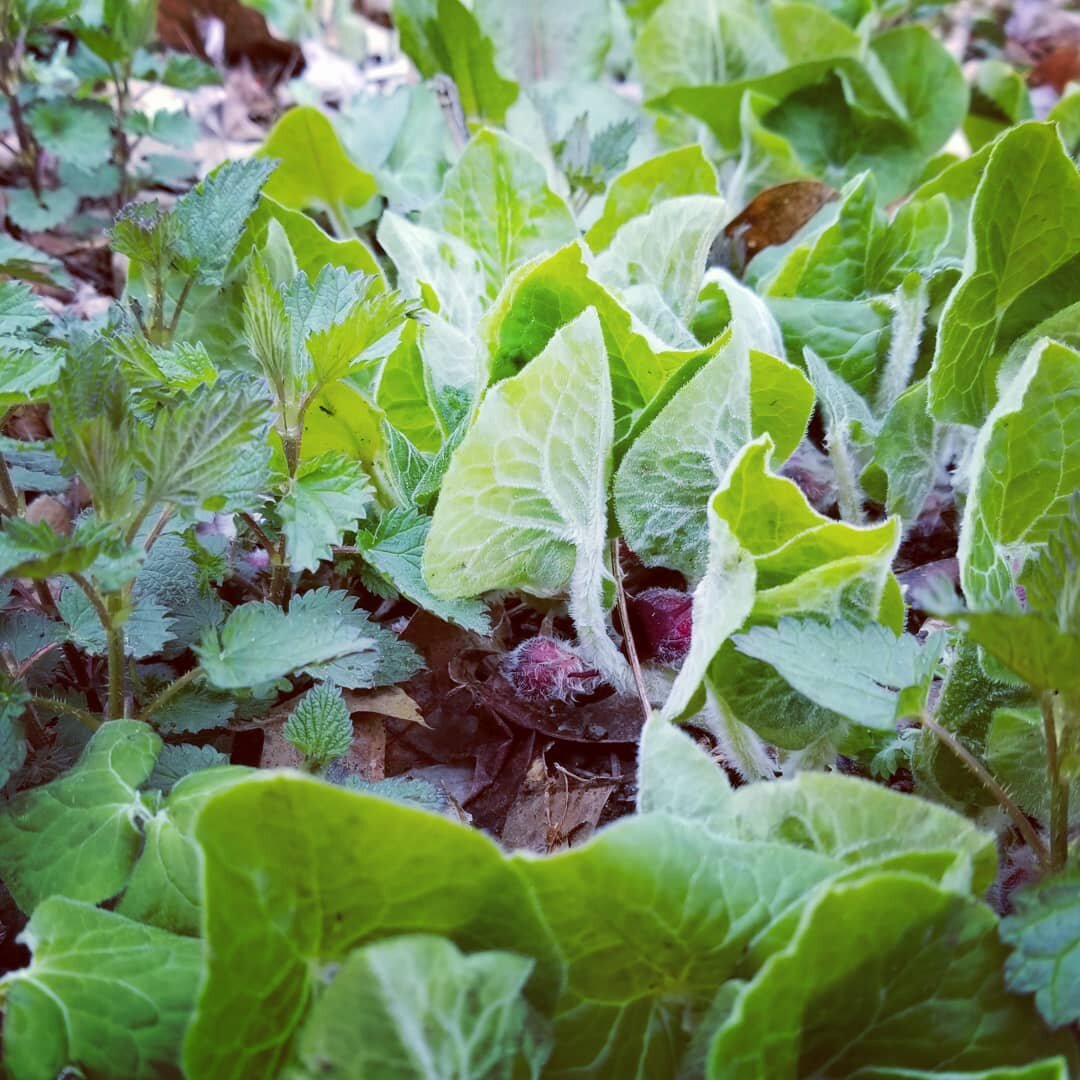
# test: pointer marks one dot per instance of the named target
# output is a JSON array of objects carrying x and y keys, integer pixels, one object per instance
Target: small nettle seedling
[
  {"x": 662, "y": 620},
  {"x": 544, "y": 668},
  {"x": 320, "y": 727}
]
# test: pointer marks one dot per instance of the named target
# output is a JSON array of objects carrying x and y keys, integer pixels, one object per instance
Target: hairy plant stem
[
  {"x": 279, "y": 575},
  {"x": 178, "y": 308},
  {"x": 87, "y": 719},
  {"x": 115, "y": 637},
  {"x": 259, "y": 533},
  {"x": 628, "y": 636},
  {"x": 848, "y": 495},
  {"x": 10, "y": 62},
  {"x": 95, "y": 599},
  {"x": 159, "y": 526},
  {"x": 1001, "y": 796},
  {"x": 1059, "y": 786},
  {"x": 10, "y": 504},
  {"x": 170, "y": 691}
]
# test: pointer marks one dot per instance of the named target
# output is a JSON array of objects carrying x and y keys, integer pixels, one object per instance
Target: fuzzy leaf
[
  {"x": 320, "y": 726},
  {"x": 102, "y": 994}
]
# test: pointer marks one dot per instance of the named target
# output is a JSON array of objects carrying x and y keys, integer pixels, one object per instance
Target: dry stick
[
  {"x": 1059, "y": 792},
  {"x": 628, "y": 637},
  {"x": 982, "y": 774}
]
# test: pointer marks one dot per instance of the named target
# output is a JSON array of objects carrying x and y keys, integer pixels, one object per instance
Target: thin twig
[
  {"x": 628, "y": 637},
  {"x": 159, "y": 525},
  {"x": 258, "y": 532},
  {"x": 983, "y": 775}
]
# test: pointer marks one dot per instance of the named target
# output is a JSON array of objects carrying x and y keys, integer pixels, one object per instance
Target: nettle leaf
[
  {"x": 496, "y": 199},
  {"x": 147, "y": 627},
  {"x": 27, "y": 374},
  {"x": 210, "y": 451},
  {"x": 39, "y": 213},
  {"x": 79, "y": 835},
  {"x": 655, "y": 262},
  {"x": 637, "y": 976},
  {"x": 366, "y": 333},
  {"x": 195, "y": 709},
  {"x": 13, "y": 702},
  {"x": 20, "y": 312},
  {"x": 541, "y": 526},
  {"x": 416, "y": 1004},
  {"x": 1024, "y": 467},
  {"x": 685, "y": 171},
  {"x": 1044, "y": 933},
  {"x": 102, "y": 994},
  {"x": 443, "y": 37},
  {"x": 314, "y": 172},
  {"x": 79, "y": 132},
  {"x": 537, "y": 43},
  {"x": 663, "y": 483},
  {"x": 932, "y": 954},
  {"x": 326, "y": 499},
  {"x": 1029, "y": 188},
  {"x": 37, "y": 551},
  {"x": 320, "y": 726},
  {"x": 867, "y": 673},
  {"x": 180, "y": 760},
  {"x": 259, "y": 643},
  {"x": 395, "y": 549},
  {"x": 211, "y": 217},
  {"x": 286, "y": 845}
]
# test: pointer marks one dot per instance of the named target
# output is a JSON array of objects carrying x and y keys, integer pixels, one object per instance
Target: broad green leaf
[
  {"x": 79, "y": 835},
  {"x": 210, "y": 451},
  {"x": 442, "y": 37},
  {"x": 342, "y": 419},
  {"x": 806, "y": 563},
  {"x": 663, "y": 484},
  {"x": 259, "y": 643},
  {"x": 865, "y": 673},
  {"x": 655, "y": 262},
  {"x": 395, "y": 549},
  {"x": 313, "y": 248},
  {"x": 781, "y": 402},
  {"x": 630, "y": 980},
  {"x": 723, "y": 600},
  {"x": 298, "y": 874},
  {"x": 496, "y": 199},
  {"x": 415, "y": 1006},
  {"x": 859, "y": 823},
  {"x": 212, "y": 216},
  {"x": 685, "y": 171},
  {"x": 906, "y": 452},
  {"x": 534, "y": 43},
  {"x": 1024, "y": 228},
  {"x": 429, "y": 382},
  {"x": 165, "y": 887},
  {"x": 326, "y": 499},
  {"x": 429, "y": 261},
  {"x": 1044, "y": 933},
  {"x": 546, "y": 295},
  {"x": 102, "y": 994},
  {"x": 934, "y": 961},
  {"x": 314, "y": 172},
  {"x": 1024, "y": 467},
  {"x": 522, "y": 504},
  {"x": 703, "y": 42},
  {"x": 677, "y": 777},
  {"x": 36, "y": 551}
]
